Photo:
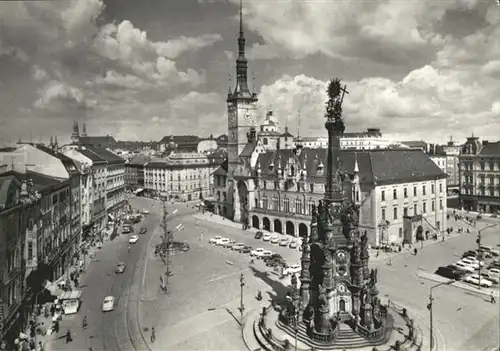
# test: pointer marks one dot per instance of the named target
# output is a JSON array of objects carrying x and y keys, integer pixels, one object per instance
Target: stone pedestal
[
  {"x": 367, "y": 318},
  {"x": 324, "y": 326}
]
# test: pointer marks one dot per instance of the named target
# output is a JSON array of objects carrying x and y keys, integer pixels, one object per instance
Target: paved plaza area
[{"x": 200, "y": 311}]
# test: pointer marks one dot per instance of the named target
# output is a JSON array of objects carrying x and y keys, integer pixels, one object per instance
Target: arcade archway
[
  {"x": 290, "y": 228},
  {"x": 255, "y": 222},
  {"x": 277, "y": 226},
  {"x": 303, "y": 231},
  {"x": 266, "y": 224}
]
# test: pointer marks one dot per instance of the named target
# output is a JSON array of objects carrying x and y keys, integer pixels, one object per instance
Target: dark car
[
  {"x": 275, "y": 262},
  {"x": 448, "y": 272},
  {"x": 273, "y": 257},
  {"x": 259, "y": 235},
  {"x": 120, "y": 267},
  {"x": 469, "y": 253},
  {"x": 245, "y": 249},
  {"x": 143, "y": 230}
]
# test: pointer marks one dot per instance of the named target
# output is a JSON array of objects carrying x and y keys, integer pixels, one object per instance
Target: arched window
[
  {"x": 265, "y": 202},
  {"x": 276, "y": 203},
  {"x": 298, "y": 205},
  {"x": 286, "y": 205}
]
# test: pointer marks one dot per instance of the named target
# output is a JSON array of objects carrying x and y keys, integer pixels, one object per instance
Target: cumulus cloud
[
  {"x": 39, "y": 74},
  {"x": 56, "y": 96}
]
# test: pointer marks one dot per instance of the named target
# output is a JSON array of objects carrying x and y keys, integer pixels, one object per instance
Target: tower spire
[
  {"x": 241, "y": 62},
  {"x": 241, "y": 19}
]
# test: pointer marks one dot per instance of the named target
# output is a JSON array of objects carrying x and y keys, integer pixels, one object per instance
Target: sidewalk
[{"x": 47, "y": 338}]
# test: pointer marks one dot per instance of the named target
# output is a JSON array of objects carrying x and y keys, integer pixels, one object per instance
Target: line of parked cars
[
  {"x": 467, "y": 268},
  {"x": 276, "y": 239},
  {"x": 270, "y": 259}
]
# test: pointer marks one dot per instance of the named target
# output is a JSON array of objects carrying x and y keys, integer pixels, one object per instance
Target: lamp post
[
  {"x": 429, "y": 307},
  {"x": 479, "y": 254},
  {"x": 242, "y": 306}
]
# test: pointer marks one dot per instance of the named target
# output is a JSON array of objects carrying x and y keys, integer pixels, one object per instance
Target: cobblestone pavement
[{"x": 192, "y": 316}]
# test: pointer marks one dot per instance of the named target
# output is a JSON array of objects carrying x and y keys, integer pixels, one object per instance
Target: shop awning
[
  {"x": 111, "y": 216},
  {"x": 137, "y": 191},
  {"x": 52, "y": 288}
]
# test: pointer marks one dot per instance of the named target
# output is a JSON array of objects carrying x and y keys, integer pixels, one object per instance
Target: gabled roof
[
  {"x": 222, "y": 169},
  {"x": 98, "y": 141},
  {"x": 490, "y": 149},
  {"x": 248, "y": 149},
  {"x": 106, "y": 155},
  {"x": 139, "y": 160},
  {"x": 91, "y": 155},
  {"x": 180, "y": 139},
  {"x": 380, "y": 166}
]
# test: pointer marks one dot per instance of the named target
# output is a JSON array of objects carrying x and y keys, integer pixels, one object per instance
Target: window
[
  {"x": 415, "y": 209},
  {"x": 432, "y": 189},
  {"x": 276, "y": 203},
  {"x": 383, "y": 214},
  {"x": 414, "y": 191},
  {"x": 433, "y": 206},
  {"x": 400, "y": 232},
  {"x": 30, "y": 250},
  {"x": 264, "y": 202},
  {"x": 440, "y": 204},
  {"x": 405, "y": 192},
  {"x": 440, "y": 187},
  {"x": 394, "y": 194},
  {"x": 405, "y": 211},
  {"x": 264, "y": 184},
  {"x": 423, "y": 190},
  {"x": 395, "y": 210},
  {"x": 424, "y": 207},
  {"x": 309, "y": 206},
  {"x": 383, "y": 195},
  {"x": 286, "y": 205},
  {"x": 298, "y": 206}
]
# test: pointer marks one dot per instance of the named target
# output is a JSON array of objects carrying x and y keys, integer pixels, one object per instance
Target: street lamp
[
  {"x": 429, "y": 307},
  {"x": 242, "y": 306},
  {"x": 478, "y": 242}
]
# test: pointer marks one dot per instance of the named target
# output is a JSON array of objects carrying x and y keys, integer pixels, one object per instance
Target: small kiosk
[{"x": 70, "y": 301}]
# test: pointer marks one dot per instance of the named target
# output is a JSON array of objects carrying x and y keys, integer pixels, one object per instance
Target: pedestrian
[
  {"x": 32, "y": 345},
  {"x": 68, "y": 336},
  {"x": 40, "y": 346},
  {"x": 415, "y": 251},
  {"x": 492, "y": 298},
  {"x": 377, "y": 253},
  {"x": 84, "y": 322},
  {"x": 153, "y": 335}
]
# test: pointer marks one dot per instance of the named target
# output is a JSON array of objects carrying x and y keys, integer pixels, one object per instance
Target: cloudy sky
[{"x": 140, "y": 70}]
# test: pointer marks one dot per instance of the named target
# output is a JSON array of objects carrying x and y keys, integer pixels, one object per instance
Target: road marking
[{"x": 226, "y": 276}]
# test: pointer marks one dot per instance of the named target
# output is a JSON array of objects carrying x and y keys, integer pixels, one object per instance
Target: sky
[{"x": 140, "y": 70}]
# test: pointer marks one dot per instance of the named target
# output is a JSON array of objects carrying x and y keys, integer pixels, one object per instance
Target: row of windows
[
  {"x": 482, "y": 192},
  {"x": 482, "y": 166},
  {"x": 395, "y": 210},
  {"x": 415, "y": 192}
]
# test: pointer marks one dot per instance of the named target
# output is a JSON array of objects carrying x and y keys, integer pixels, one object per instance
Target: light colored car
[
  {"x": 229, "y": 244},
  {"x": 108, "y": 304},
  {"x": 120, "y": 267},
  {"x": 266, "y": 237},
  {"x": 474, "y": 279},
  {"x": 222, "y": 242},
  {"x": 133, "y": 239},
  {"x": 144, "y": 211},
  {"x": 292, "y": 269},
  {"x": 463, "y": 267},
  {"x": 275, "y": 239},
  {"x": 215, "y": 239},
  {"x": 293, "y": 244},
  {"x": 126, "y": 229},
  {"x": 266, "y": 253},
  {"x": 494, "y": 271},
  {"x": 474, "y": 261},
  {"x": 284, "y": 242},
  {"x": 491, "y": 277},
  {"x": 237, "y": 246},
  {"x": 257, "y": 252},
  {"x": 470, "y": 263}
]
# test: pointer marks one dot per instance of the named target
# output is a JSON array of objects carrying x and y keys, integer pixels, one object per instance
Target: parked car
[
  {"x": 237, "y": 247},
  {"x": 133, "y": 239},
  {"x": 275, "y": 262},
  {"x": 484, "y": 254},
  {"x": 284, "y": 242},
  {"x": 275, "y": 239},
  {"x": 292, "y": 269},
  {"x": 108, "y": 304},
  {"x": 473, "y": 261},
  {"x": 258, "y": 235},
  {"x": 495, "y": 252},
  {"x": 469, "y": 263},
  {"x": 470, "y": 253},
  {"x": 494, "y": 265},
  {"x": 463, "y": 267},
  {"x": 266, "y": 254},
  {"x": 495, "y": 271},
  {"x": 143, "y": 230},
  {"x": 257, "y": 252},
  {"x": 450, "y": 273},
  {"x": 229, "y": 244},
  {"x": 215, "y": 239},
  {"x": 474, "y": 279},
  {"x": 126, "y": 229},
  {"x": 245, "y": 249},
  {"x": 293, "y": 244},
  {"x": 120, "y": 267},
  {"x": 266, "y": 237},
  {"x": 222, "y": 242},
  {"x": 490, "y": 277},
  {"x": 144, "y": 211},
  {"x": 273, "y": 256}
]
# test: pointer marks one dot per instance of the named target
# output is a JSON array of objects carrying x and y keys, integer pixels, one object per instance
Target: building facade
[
  {"x": 370, "y": 139},
  {"x": 439, "y": 160},
  {"x": 182, "y": 176},
  {"x": 289, "y": 184},
  {"x": 134, "y": 172},
  {"x": 479, "y": 165}
]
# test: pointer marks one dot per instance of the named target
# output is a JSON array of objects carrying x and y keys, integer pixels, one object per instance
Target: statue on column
[{"x": 325, "y": 326}]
